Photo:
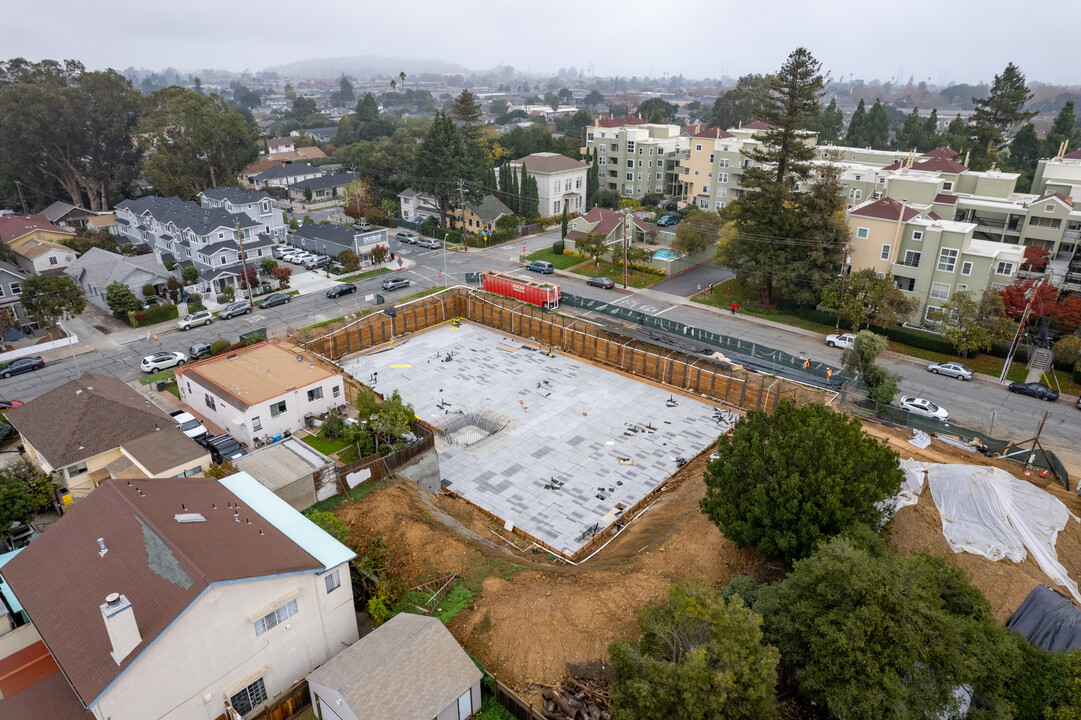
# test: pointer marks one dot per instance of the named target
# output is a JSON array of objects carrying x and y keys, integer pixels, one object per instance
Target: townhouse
[{"x": 256, "y": 205}]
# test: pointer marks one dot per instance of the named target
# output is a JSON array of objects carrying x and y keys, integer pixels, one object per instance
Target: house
[
  {"x": 104, "y": 221},
  {"x": 20, "y": 228},
  {"x": 286, "y": 175},
  {"x": 11, "y": 278},
  {"x": 323, "y": 134},
  {"x": 418, "y": 207},
  {"x": 38, "y": 257},
  {"x": 293, "y": 470},
  {"x": 561, "y": 181},
  {"x": 480, "y": 218},
  {"x": 247, "y": 175},
  {"x": 410, "y": 667},
  {"x": 65, "y": 215},
  {"x": 96, "y": 427},
  {"x": 259, "y": 390},
  {"x": 301, "y": 154},
  {"x": 608, "y": 223},
  {"x": 97, "y": 269},
  {"x": 279, "y": 145},
  {"x": 256, "y": 205},
  {"x": 333, "y": 239},
  {"x": 928, "y": 258},
  {"x": 322, "y": 189},
  {"x": 179, "y": 598},
  {"x": 636, "y": 158}
]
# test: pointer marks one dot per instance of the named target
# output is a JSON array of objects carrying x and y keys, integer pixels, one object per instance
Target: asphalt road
[{"x": 980, "y": 405}]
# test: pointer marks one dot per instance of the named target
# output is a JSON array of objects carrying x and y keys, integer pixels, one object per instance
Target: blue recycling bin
[{"x": 278, "y": 437}]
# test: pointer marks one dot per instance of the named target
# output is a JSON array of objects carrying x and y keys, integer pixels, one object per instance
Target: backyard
[{"x": 635, "y": 278}]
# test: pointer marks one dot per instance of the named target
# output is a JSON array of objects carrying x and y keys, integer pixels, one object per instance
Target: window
[
  {"x": 961, "y": 288},
  {"x": 947, "y": 185},
  {"x": 630, "y": 176},
  {"x": 641, "y": 151},
  {"x": 190, "y": 472},
  {"x": 249, "y": 698},
  {"x": 863, "y": 233},
  {"x": 76, "y": 469},
  {"x": 711, "y": 158},
  {"x": 602, "y": 161},
  {"x": 878, "y": 196},
  {"x": 947, "y": 260},
  {"x": 940, "y": 291},
  {"x": 52, "y": 260},
  {"x": 903, "y": 283},
  {"x": 1004, "y": 268},
  {"x": 604, "y": 148},
  {"x": 857, "y": 194},
  {"x": 256, "y": 423},
  {"x": 705, "y": 188},
  {"x": 276, "y": 617},
  {"x": 630, "y": 163},
  {"x": 277, "y": 408},
  {"x": 703, "y": 203},
  {"x": 885, "y": 252},
  {"x": 630, "y": 146},
  {"x": 333, "y": 581},
  {"x": 722, "y": 177},
  {"x": 966, "y": 268},
  {"x": 912, "y": 258},
  {"x": 209, "y": 400},
  {"x": 1049, "y": 207},
  {"x": 723, "y": 162},
  {"x": 1044, "y": 222},
  {"x": 698, "y": 148},
  {"x": 640, "y": 163},
  {"x": 857, "y": 178},
  {"x": 16, "y": 288},
  {"x": 917, "y": 235}
]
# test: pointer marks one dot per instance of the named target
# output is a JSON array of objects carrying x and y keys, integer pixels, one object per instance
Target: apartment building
[
  {"x": 256, "y": 205},
  {"x": 637, "y": 158}
]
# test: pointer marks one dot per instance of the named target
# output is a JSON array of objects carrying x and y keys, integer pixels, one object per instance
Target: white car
[
  {"x": 919, "y": 406},
  {"x": 841, "y": 341},
  {"x": 203, "y": 317},
  {"x": 189, "y": 424},
  {"x": 162, "y": 361}
]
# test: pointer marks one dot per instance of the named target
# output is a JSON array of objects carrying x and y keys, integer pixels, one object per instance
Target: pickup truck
[
  {"x": 189, "y": 424},
  {"x": 223, "y": 447}
]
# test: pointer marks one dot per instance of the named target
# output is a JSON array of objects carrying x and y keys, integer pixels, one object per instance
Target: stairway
[{"x": 1038, "y": 363}]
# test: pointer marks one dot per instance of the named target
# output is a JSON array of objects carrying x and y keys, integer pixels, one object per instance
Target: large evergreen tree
[
  {"x": 878, "y": 126},
  {"x": 742, "y": 104},
  {"x": 593, "y": 181},
  {"x": 514, "y": 192},
  {"x": 857, "y": 127},
  {"x": 828, "y": 123},
  {"x": 442, "y": 161},
  {"x": 999, "y": 114},
  {"x": 1064, "y": 129},
  {"x": 910, "y": 133},
  {"x": 929, "y": 137}
]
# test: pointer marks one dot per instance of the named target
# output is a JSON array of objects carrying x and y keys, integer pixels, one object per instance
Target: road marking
[{"x": 670, "y": 307}]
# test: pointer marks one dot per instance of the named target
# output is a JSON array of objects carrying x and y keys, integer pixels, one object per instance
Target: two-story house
[
  {"x": 256, "y": 205},
  {"x": 286, "y": 175},
  {"x": 321, "y": 189},
  {"x": 609, "y": 224},
  {"x": 418, "y": 207},
  {"x": 177, "y": 599},
  {"x": 561, "y": 181},
  {"x": 259, "y": 390},
  {"x": 279, "y": 145},
  {"x": 480, "y": 217}
]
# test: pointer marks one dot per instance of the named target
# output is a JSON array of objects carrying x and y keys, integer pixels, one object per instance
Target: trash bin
[{"x": 161, "y": 386}]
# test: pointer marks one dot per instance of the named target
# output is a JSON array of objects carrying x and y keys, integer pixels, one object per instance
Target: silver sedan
[{"x": 951, "y": 369}]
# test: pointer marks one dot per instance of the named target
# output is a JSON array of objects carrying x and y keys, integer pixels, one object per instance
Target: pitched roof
[
  {"x": 759, "y": 125},
  {"x": 164, "y": 449},
  {"x": 50, "y": 697},
  {"x": 87, "y": 416},
  {"x": 103, "y": 267},
  {"x": 1067, "y": 201},
  {"x": 160, "y": 565},
  {"x": 13, "y": 227},
  {"x": 260, "y": 166},
  {"x": 490, "y": 209},
  {"x": 280, "y": 141},
  {"x": 60, "y": 209},
  {"x": 290, "y": 170},
  {"x": 309, "y": 152},
  {"x": 326, "y": 181},
  {"x": 35, "y": 248},
  {"x": 940, "y": 164},
  {"x": 1075, "y": 155},
  {"x": 713, "y": 133},
  {"x": 608, "y": 220},
  {"x": 101, "y": 221},
  {"x": 626, "y": 120},
  {"x": 235, "y": 195},
  {"x": 941, "y": 152},
  {"x": 410, "y": 667},
  {"x": 946, "y": 199},
  {"x": 548, "y": 162},
  {"x": 885, "y": 209}
]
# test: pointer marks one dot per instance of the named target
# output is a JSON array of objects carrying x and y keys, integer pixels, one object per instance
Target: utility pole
[
  {"x": 626, "y": 231},
  {"x": 244, "y": 261},
  {"x": 22, "y": 201},
  {"x": 461, "y": 205},
  {"x": 841, "y": 298},
  {"x": 1035, "y": 290}
]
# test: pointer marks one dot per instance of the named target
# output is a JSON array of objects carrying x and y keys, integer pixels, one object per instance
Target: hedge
[
  {"x": 1077, "y": 373},
  {"x": 152, "y": 315},
  {"x": 557, "y": 247}
]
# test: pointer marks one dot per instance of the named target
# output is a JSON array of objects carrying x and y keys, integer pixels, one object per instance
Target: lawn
[
  {"x": 561, "y": 262},
  {"x": 364, "y": 275},
  {"x": 356, "y": 494},
  {"x": 422, "y": 293},
  {"x": 636, "y": 278},
  {"x": 154, "y": 377},
  {"x": 327, "y": 446}
]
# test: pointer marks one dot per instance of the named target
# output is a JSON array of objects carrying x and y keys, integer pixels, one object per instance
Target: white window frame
[
  {"x": 333, "y": 581},
  {"x": 255, "y": 694},
  {"x": 885, "y": 255},
  {"x": 947, "y": 262},
  {"x": 966, "y": 268},
  {"x": 275, "y": 617},
  {"x": 940, "y": 291},
  {"x": 999, "y": 266},
  {"x": 917, "y": 234},
  {"x": 947, "y": 185},
  {"x": 277, "y": 409},
  {"x": 863, "y": 233}
]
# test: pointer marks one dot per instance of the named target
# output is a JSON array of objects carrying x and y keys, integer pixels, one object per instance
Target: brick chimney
[{"x": 121, "y": 626}]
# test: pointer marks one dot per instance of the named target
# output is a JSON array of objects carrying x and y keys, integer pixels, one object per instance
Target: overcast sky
[{"x": 935, "y": 40}]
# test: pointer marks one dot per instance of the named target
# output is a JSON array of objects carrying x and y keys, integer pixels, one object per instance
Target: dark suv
[
  {"x": 223, "y": 447},
  {"x": 198, "y": 350}
]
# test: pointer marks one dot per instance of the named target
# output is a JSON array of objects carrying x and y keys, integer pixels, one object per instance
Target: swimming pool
[{"x": 665, "y": 254}]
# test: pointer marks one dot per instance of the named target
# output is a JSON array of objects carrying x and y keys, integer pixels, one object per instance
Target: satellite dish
[{"x": 300, "y": 358}]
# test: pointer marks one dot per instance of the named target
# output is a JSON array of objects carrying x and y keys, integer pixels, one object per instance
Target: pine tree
[
  {"x": 563, "y": 225},
  {"x": 908, "y": 135},
  {"x": 929, "y": 137},
  {"x": 957, "y": 134},
  {"x": 828, "y": 123},
  {"x": 999, "y": 114},
  {"x": 593, "y": 179},
  {"x": 878, "y": 127},
  {"x": 441, "y": 161},
  {"x": 857, "y": 127},
  {"x": 514, "y": 192},
  {"x": 1064, "y": 129},
  {"x": 504, "y": 184}
]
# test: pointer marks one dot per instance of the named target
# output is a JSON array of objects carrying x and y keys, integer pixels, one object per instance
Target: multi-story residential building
[
  {"x": 286, "y": 175},
  {"x": 1060, "y": 174},
  {"x": 636, "y": 158},
  {"x": 207, "y": 238},
  {"x": 928, "y": 258},
  {"x": 418, "y": 207},
  {"x": 561, "y": 181},
  {"x": 709, "y": 169},
  {"x": 256, "y": 205}
]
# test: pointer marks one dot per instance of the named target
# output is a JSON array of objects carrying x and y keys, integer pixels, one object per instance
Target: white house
[
  {"x": 41, "y": 256},
  {"x": 95, "y": 271},
  {"x": 418, "y": 207},
  {"x": 179, "y": 598},
  {"x": 559, "y": 180},
  {"x": 280, "y": 145},
  {"x": 255, "y": 205},
  {"x": 259, "y": 390}
]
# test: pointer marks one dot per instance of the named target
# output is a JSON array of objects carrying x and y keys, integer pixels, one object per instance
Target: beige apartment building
[{"x": 636, "y": 158}]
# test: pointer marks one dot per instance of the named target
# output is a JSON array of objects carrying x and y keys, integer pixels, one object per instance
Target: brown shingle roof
[
  {"x": 50, "y": 698},
  {"x": 713, "y": 133},
  {"x": 626, "y": 120},
  {"x": 31, "y": 248},
  {"x": 13, "y": 227},
  {"x": 547, "y": 162},
  {"x": 85, "y": 417},
  {"x": 885, "y": 209},
  {"x": 164, "y": 450},
  {"x": 946, "y": 198},
  {"x": 759, "y": 125},
  {"x": 608, "y": 220},
  {"x": 1075, "y": 155},
  {"x": 159, "y": 564},
  {"x": 941, "y": 152},
  {"x": 940, "y": 164}
]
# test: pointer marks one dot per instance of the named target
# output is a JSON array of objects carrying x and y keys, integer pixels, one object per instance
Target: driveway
[{"x": 692, "y": 281}]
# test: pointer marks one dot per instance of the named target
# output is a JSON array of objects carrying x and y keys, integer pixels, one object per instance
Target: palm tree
[
  {"x": 401, "y": 75},
  {"x": 393, "y": 84}
]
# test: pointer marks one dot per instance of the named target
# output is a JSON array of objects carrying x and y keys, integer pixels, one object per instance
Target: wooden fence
[
  {"x": 290, "y": 703},
  {"x": 513, "y": 704},
  {"x": 383, "y": 466}
]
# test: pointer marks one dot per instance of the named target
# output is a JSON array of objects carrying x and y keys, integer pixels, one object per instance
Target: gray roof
[
  {"x": 103, "y": 267},
  {"x": 235, "y": 195},
  {"x": 187, "y": 215},
  {"x": 282, "y": 463},
  {"x": 327, "y": 233},
  {"x": 326, "y": 182},
  {"x": 60, "y": 208},
  {"x": 490, "y": 209},
  {"x": 288, "y": 170},
  {"x": 409, "y": 668},
  {"x": 13, "y": 269}
]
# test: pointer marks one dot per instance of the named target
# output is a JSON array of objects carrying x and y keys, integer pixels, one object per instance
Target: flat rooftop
[
  {"x": 517, "y": 420},
  {"x": 261, "y": 372}
]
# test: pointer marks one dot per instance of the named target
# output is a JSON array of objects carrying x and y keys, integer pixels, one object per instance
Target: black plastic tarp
[{"x": 1048, "y": 619}]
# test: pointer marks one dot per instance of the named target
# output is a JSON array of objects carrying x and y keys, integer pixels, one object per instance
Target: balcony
[{"x": 908, "y": 263}]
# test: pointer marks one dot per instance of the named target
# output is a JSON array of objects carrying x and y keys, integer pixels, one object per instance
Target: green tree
[
  {"x": 857, "y": 135},
  {"x": 973, "y": 323},
  {"x": 743, "y": 103},
  {"x": 958, "y": 134},
  {"x": 878, "y": 126},
  {"x": 194, "y": 142},
  {"x": 1065, "y": 129},
  {"x": 860, "y": 359},
  {"x": 998, "y": 114},
  {"x": 393, "y": 418},
  {"x": 529, "y": 195},
  {"x": 349, "y": 260},
  {"x": 787, "y": 481},
  {"x": 929, "y": 137},
  {"x": 441, "y": 162},
  {"x": 563, "y": 224},
  {"x": 267, "y": 265},
  {"x": 282, "y": 273},
  {"x": 329, "y": 523},
  {"x": 813, "y": 263},
  {"x": 303, "y": 108},
  {"x": 654, "y": 107},
  {"x": 221, "y": 470},
  {"x": 467, "y": 111},
  {"x": 16, "y": 502},
  {"x": 699, "y": 233},
  {"x": 867, "y": 299},
  {"x": 366, "y": 403},
  {"x": 593, "y": 98},
  {"x": 828, "y": 123},
  {"x": 1026, "y": 149},
  {"x": 49, "y": 298},
  {"x": 345, "y": 89},
  {"x": 593, "y": 181},
  {"x": 1070, "y": 707},
  {"x": 871, "y": 635},
  {"x": 698, "y": 657},
  {"x": 190, "y": 274},
  {"x": 910, "y": 133},
  {"x": 592, "y": 245}
]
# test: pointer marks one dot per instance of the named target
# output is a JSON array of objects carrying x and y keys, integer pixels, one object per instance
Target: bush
[
  {"x": 149, "y": 291},
  {"x": 744, "y": 586},
  {"x": 500, "y": 236},
  {"x": 429, "y": 227},
  {"x": 219, "y": 346},
  {"x": 557, "y": 247},
  {"x": 651, "y": 199},
  {"x": 1067, "y": 352},
  {"x": 334, "y": 426},
  {"x": 508, "y": 222},
  {"x": 195, "y": 302},
  {"x": 917, "y": 338},
  {"x": 152, "y": 315},
  {"x": 1077, "y": 373},
  {"x": 330, "y": 524}
]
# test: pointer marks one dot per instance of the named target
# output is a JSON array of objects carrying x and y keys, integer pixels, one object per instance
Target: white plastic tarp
[
  {"x": 987, "y": 511},
  {"x": 911, "y": 486}
]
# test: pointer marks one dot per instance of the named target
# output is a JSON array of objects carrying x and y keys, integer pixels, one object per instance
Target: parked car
[
  {"x": 273, "y": 299},
  {"x": 1036, "y": 390},
  {"x": 203, "y": 317},
  {"x": 601, "y": 282},
  {"x": 316, "y": 262},
  {"x": 919, "y": 406},
  {"x": 843, "y": 341},
  {"x": 189, "y": 424},
  {"x": 22, "y": 365},
  {"x": 162, "y": 361},
  {"x": 8, "y": 404},
  {"x": 341, "y": 289},
  {"x": 198, "y": 350},
  {"x": 279, "y": 250},
  {"x": 541, "y": 266},
  {"x": 951, "y": 369},
  {"x": 363, "y": 225},
  {"x": 301, "y": 258},
  {"x": 394, "y": 283},
  {"x": 288, "y": 255},
  {"x": 223, "y": 447},
  {"x": 666, "y": 220},
  {"x": 240, "y": 307},
  {"x": 404, "y": 236},
  {"x": 430, "y": 243}
]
